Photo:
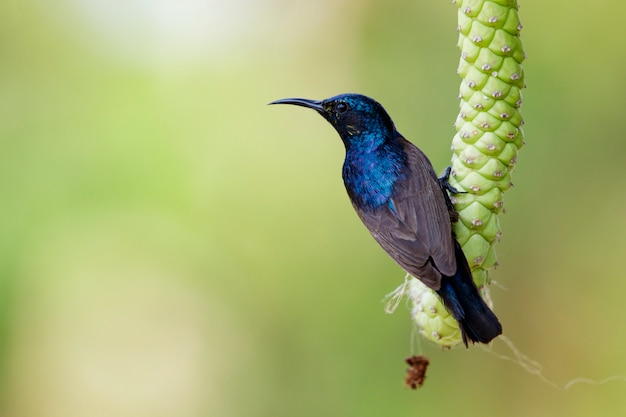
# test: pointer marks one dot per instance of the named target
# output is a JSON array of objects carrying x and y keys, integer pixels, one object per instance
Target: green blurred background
[{"x": 171, "y": 246}]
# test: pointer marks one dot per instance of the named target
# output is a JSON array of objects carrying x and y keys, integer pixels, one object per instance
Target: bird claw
[{"x": 444, "y": 182}]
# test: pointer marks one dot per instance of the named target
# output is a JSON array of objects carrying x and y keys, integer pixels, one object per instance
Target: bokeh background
[{"x": 171, "y": 246}]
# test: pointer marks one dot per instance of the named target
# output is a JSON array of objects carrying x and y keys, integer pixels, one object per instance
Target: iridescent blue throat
[{"x": 371, "y": 169}]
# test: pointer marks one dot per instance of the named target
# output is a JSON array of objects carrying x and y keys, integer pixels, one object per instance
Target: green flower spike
[{"x": 489, "y": 134}]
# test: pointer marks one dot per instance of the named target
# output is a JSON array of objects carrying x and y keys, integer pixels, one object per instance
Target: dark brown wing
[{"x": 416, "y": 231}]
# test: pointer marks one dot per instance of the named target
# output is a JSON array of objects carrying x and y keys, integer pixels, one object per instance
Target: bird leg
[{"x": 444, "y": 184}]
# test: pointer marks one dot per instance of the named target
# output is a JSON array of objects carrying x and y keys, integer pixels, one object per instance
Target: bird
[{"x": 395, "y": 192}]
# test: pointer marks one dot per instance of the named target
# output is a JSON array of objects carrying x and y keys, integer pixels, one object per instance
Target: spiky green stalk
[{"x": 489, "y": 134}]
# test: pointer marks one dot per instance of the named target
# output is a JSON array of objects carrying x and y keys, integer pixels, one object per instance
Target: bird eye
[{"x": 341, "y": 107}]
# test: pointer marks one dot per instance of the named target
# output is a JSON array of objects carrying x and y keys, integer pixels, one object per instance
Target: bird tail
[{"x": 460, "y": 295}]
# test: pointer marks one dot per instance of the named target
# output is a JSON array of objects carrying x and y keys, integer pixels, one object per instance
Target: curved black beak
[{"x": 311, "y": 104}]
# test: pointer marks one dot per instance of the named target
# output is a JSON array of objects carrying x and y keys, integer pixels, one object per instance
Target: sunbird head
[{"x": 352, "y": 115}]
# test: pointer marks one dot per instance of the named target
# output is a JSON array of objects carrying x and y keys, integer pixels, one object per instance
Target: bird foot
[{"x": 444, "y": 184}]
